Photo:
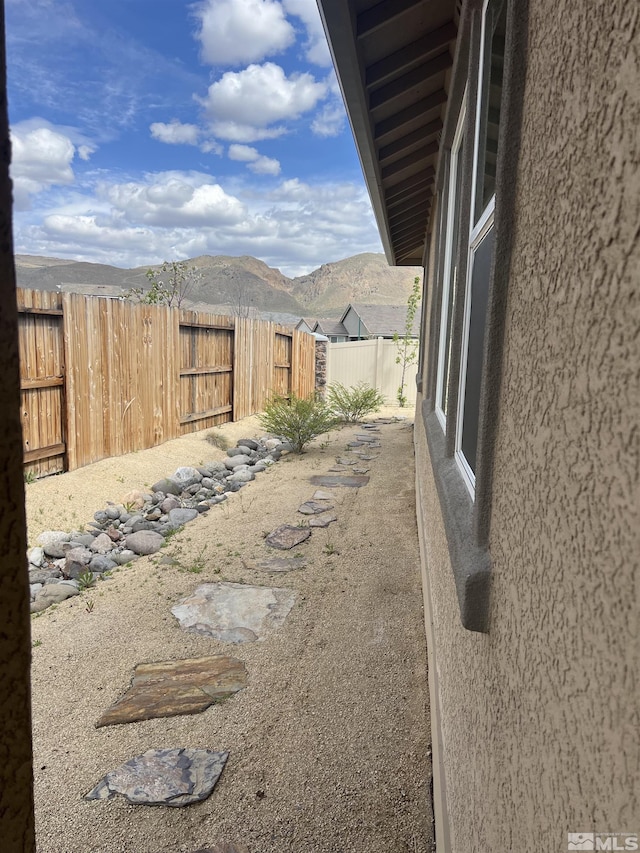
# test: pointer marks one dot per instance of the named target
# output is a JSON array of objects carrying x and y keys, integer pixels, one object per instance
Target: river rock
[
  {"x": 122, "y": 557},
  {"x": 52, "y": 542},
  {"x": 101, "y": 544},
  {"x": 232, "y": 462},
  {"x": 182, "y": 515},
  {"x": 35, "y": 556},
  {"x": 242, "y": 475},
  {"x": 186, "y": 476},
  {"x": 164, "y": 777},
  {"x": 53, "y": 594},
  {"x": 144, "y": 542},
  {"x": 135, "y": 499},
  {"x": 113, "y": 512},
  {"x": 169, "y": 503},
  {"x": 167, "y": 487},
  {"x": 251, "y": 443},
  {"x": 100, "y": 563}
]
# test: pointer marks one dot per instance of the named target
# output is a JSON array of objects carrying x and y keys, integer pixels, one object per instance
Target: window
[
  {"x": 481, "y": 237},
  {"x": 452, "y": 227}
]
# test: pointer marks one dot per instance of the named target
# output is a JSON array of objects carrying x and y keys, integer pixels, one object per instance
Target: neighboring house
[
  {"x": 499, "y": 143},
  {"x": 332, "y": 329},
  {"x": 376, "y": 321},
  {"x": 305, "y": 324}
]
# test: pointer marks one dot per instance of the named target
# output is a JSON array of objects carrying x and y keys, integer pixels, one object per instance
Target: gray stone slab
[
  {"x": 321, "y": 495},
  {"x": 354, "y": 481},
  {"x": 313, "y": 507},
  {"x": 278, "y": 564},
  {"x": 234, "y": 612},
  {"x": 344, "y": 460},
  {"x": 163, "y": 777},
  {"x": 286, "y": 537},
  {"x": 322, "y": 520}
]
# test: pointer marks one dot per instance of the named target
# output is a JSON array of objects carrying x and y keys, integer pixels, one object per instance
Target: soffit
[{"x": 393, "y": 59}]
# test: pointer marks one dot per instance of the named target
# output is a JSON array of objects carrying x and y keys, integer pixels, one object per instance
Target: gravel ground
[{"x": 329, "y": 743}]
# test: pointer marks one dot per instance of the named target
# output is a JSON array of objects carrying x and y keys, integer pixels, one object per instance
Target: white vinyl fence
[{"x": 373, "y": 362}]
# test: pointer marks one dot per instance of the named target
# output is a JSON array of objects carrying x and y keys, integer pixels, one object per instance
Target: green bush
[
  {"x": 296, "y": 419},
  {"x": 352, "y": 404}
]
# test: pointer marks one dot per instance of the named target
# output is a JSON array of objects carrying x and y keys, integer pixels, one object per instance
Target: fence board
[
  {"x": 104, "y": 377},
  {"x": 42, "y": 381}
]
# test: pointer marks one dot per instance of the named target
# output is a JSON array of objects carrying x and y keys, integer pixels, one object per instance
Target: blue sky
[{"x": 146, "y": 130}]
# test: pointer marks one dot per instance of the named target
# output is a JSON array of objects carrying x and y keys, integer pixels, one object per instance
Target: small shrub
[
  {"x": 86, "y": 580},
  {"x": 298, "y": 420},
  {"x": 352, "y": 404}
]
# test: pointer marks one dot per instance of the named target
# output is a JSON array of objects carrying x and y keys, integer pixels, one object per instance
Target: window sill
[{"x": 471, "y": 563}]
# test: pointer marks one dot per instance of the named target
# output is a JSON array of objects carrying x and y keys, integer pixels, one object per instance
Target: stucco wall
[{"x": 539, "y": 717}]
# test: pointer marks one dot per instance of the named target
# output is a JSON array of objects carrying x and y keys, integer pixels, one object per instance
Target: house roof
[
  {"x": 331, "y": 327},
  {"x": 383, "y": 320},
  {"x": 393, "y": 59}
]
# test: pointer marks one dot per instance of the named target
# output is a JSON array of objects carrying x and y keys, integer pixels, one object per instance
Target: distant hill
[
  {"x": 233, "y": 284},
  {"x": 365, "y": 278}
]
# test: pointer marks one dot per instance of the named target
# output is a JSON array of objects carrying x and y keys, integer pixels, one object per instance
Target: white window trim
[
  {"x": 447, "y": 284},
  {"x": 477, "y": 232}
]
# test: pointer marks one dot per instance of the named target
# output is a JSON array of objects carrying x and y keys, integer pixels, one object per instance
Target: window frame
[
  {"x": 448, "y": 290},
  {"x": 478, "y": 230}
]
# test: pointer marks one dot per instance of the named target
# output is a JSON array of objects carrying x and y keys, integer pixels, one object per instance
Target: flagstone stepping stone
[
  {"x": 361, "y": 470},
  {"x": 169, "y": 688},
  {"x": 354, "y": 481},
  {"x": 278, "y": 564},
  {"x": 322, "y": 521},
  {"x": 163, "y": 777},
  {"x": 345, "y": 461},
  {"x": 337, "y": 469},
  {"x": 368, "y": 458},
  {"x": 234, "y": 612},
  {"x": 355, "y": 443},
  {"x": 367, "y": 439},
  {"x": 313, "y": 507},
  {"x": 286, "y": 537},
  {"x": 321, "y": 495}
]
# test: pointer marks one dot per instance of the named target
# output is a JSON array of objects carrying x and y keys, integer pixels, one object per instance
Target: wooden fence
[{"x": 102, "y": 377}]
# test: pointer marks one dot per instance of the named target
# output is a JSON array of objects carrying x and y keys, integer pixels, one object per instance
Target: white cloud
[
  {"x": 243, "y": 106},
  {"x": 295, "y": 226},
  {"x": 330, "y": 121},
  {"x": 233, "y": 32},
  {"x": 174, "y": 199},
  {"x": 175, "y": 133},
  {"x": 244, "y": 153},
  {"x": 316, "y": 47},
  {"x": 255, "y": 161},
  {"x": 41, "y": 158}
]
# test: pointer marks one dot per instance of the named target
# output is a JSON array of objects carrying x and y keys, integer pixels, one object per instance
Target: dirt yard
[{"x": 329, "y": 743}]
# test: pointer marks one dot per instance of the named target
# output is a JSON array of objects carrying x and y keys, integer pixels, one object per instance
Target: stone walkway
[{"x": 372, "y": 653}]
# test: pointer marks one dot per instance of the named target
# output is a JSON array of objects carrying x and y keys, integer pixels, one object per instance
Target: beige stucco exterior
[{"x": 539, "y": 718}]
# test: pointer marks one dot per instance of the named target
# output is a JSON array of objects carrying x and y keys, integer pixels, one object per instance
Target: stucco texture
[{"x": 539, "y": 717}]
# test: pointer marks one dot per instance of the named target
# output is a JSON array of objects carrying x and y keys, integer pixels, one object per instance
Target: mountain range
[{"x": 238, "y": 284}]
